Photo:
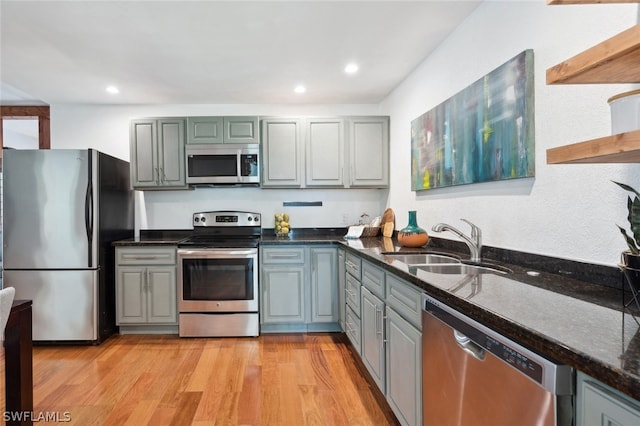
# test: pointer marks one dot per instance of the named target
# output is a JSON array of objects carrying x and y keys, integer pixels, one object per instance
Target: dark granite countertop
[
  {"x": 570, "y": 312},
  {"x": 155, "y": 238}
]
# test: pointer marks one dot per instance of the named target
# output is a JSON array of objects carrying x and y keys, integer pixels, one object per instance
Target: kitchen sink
[
  {"x": 423, "y": 258},
  {"x": 462, "y": 268}
]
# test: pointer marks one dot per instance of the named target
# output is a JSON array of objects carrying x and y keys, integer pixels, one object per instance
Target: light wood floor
[{"x": 292, "y": 379}]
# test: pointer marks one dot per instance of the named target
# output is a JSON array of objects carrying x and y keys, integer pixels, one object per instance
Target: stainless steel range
[{"x": 218, "y": 275}]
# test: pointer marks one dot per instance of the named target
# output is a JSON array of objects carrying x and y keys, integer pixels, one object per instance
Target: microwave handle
[{"x": 239, "y": 165}]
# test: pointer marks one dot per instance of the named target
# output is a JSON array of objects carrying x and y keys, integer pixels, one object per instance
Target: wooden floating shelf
[
  {"x": 616, "y": 60},
  {"x": 620, "y": 148}
]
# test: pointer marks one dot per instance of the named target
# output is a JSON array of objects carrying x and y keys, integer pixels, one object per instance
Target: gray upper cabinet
[
  {"x": 281, "y": 152},
  {"x": 324, "y": 163},
  {"x": 325, "y": 152},
  {"x": 206, "y": 130},
  {"x": 157, "y": 153},
  {"x": 368, "y": 151}
]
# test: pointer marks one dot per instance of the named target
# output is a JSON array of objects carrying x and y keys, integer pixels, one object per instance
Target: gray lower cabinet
[
  {"x": 324, "y": 284},
  {"x": 403, "y": 368},
  {"x": 383, "y": 322},
  {"x": 283, "y": 277},
  {"x": 157, "y": 153},
  {"x": 372, "y": 336},
  {"x": 342, "y": 304},
  {"x": 299, "y": 288},
  {"x": 352, "y": 291},
  {"x": 600, "y": 405},
  {"x": 146, "y": 292},
  {"x": 283, "y": 294}
]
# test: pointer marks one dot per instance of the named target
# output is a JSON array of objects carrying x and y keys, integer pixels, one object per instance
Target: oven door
[{"x": 217, "y": 280}]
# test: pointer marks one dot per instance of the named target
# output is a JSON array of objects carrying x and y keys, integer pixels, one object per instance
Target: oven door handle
[{"x": 216, "y": 253}]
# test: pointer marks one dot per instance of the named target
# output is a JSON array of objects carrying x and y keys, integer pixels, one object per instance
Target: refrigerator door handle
[{"x": 88, "y": 220}]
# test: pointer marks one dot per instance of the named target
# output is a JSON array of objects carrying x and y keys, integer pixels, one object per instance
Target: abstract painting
[{"x": 484, "y": 133}]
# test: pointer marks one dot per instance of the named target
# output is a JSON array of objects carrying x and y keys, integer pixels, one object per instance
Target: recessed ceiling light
[
  {"x": 300, "y": 89},
  {"x": 113, "y": 90},
  {"x": 351, "y": 68}
]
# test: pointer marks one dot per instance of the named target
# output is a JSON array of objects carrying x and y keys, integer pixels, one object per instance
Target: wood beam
[{"x": 39, "y": 112}]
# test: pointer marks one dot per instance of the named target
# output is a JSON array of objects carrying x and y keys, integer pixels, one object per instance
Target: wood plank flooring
[{"x": 276, "y": 379}]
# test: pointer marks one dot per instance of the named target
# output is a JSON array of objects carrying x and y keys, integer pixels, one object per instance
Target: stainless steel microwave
[{"x": 223, "y": 164}]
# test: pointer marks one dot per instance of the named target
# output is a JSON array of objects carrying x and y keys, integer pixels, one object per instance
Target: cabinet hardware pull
[{"x": 284, "y": 256}]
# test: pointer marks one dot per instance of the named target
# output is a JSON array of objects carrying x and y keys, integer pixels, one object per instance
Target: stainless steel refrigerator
[{"x": 62, "y": 210}]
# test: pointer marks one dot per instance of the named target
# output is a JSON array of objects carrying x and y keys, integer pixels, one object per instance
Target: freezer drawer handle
[{"x": 469, "y": 346}]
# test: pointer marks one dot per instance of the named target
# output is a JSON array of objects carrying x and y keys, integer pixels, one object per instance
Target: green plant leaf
[
  {"x": 626, "y": 187},
  {"x": 630, "y": 241},
  {"x": 634, "y": 219}
]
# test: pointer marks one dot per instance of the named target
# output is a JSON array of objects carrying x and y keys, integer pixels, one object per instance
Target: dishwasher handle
[{"x": 469, "y": 346}]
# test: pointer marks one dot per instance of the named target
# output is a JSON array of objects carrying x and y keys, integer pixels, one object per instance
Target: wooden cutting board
[{"x": 388, "y": 217}]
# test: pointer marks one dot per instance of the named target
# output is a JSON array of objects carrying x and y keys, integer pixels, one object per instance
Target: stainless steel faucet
[{"x": 474, "y": 242}]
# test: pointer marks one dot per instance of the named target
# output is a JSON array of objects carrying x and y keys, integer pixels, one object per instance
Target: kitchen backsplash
[{"x": 340, "y": 207}]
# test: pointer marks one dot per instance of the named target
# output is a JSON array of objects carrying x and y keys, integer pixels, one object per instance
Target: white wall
[
  {"x": 567, "y": 211},
  {"x": 106, "y": 128}
]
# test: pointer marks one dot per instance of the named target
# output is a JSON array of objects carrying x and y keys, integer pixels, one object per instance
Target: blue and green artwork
[{"x": 484, "y": 133}]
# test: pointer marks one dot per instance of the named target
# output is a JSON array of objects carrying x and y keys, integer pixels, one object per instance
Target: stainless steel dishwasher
[{"x": 472, "y": 375}]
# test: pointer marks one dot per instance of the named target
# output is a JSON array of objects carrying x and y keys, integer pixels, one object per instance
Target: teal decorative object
[{"x": 412, "y": 235}]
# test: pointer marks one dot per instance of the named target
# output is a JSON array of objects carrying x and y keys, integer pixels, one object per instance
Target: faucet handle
[{"x": 476, "y": 233}]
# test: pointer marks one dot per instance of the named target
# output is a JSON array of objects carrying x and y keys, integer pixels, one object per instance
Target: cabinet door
[
  {"x": 144, "y": 153},
  {"x": 600, "y": 405},
  {"x": 324, "y": 285},
  {"x": 372, "y": 339},
  {"x": 241, "y": 130},
  {"x": 282, "y": 294},
  {"x": 324, "y": 152},
  {"x": 369, "y": 152},
  {"x": 171, "y": 165},
  {"x": 131, "y": 307},
  {"x": 342, "y": 302},
  {"x": 404, "y": 369},
  {"x": 162, "y": 295},
  {"x": 204, "y": 130},
  {"x": 281, "y": 153}
]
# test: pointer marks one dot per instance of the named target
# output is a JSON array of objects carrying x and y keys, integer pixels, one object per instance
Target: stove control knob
[
  {"x": 257, "y": 219},
  {"x": 196, "y": 219},
  {"x": 250, "y": 218},
  {"x": 204, "y": 219}
]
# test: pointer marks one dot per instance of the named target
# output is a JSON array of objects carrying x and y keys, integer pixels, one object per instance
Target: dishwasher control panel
[{"x": 514, "y": 358}]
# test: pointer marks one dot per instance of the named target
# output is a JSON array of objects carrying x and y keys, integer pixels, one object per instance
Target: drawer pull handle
[
  {"x": 142, "y": 257},
  {"x": 284, "y": 256}
]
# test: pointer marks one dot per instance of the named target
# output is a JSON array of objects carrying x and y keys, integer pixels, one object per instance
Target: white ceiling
[{"x": 215, "y": 52}]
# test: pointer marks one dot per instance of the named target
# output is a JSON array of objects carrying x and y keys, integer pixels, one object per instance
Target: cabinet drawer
[
  {"x": 404, "y": 299},
  {"x": 273, "y": 255},
  {"x": 353, "y": 265},
  {"x": 373, "y": 279},
  {"x": 352, "y": 293},
  {"x": 352, "y": 326},
  {"x": 146, "y": 256}
]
